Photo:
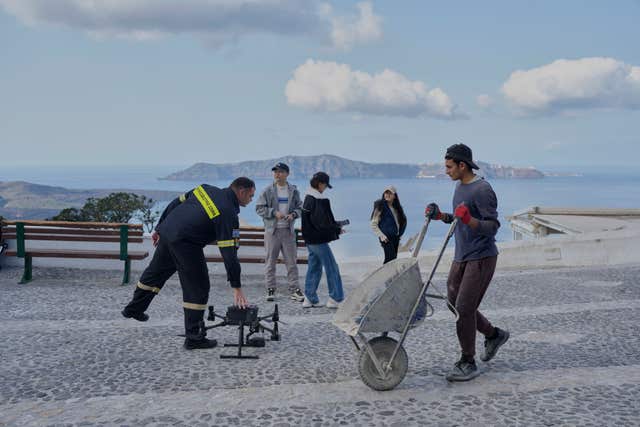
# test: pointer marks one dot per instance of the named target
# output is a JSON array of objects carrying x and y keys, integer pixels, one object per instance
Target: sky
[{"x": 175, "y": 82}]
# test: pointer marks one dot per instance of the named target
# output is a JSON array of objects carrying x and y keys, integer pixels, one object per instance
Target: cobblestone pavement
[{"x": 67, "y": 357}]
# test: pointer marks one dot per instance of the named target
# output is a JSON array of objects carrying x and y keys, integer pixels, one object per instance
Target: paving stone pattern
[{"x": 67, "y": 357}]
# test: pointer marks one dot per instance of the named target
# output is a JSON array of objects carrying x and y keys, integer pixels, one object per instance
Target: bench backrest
[
  {"x": 254, "y": 236},
  {"x": 72, "y": 232}
]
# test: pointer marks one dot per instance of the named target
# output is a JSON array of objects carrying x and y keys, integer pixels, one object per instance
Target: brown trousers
[{"x": 467, "y": 283}]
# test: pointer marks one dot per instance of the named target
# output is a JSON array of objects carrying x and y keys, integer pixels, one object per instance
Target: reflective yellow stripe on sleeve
[
  {"x": 183, "y": 197},
  {"x": 192, "y": 306},
  {"x": 209, "y": 207},
  {"x": 148, "y": 288},
  {"x": 226, "y": 243}
]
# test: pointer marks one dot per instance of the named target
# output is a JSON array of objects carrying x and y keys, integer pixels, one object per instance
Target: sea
[{"x": 604, "y": 187}]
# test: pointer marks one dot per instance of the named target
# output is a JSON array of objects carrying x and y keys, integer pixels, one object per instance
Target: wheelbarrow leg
[
  {"x": 355, "y": 343},
  {"x": 373, "y": 356}
]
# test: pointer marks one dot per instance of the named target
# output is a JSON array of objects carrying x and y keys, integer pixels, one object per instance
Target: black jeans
[{"x": 390, "y": 248}]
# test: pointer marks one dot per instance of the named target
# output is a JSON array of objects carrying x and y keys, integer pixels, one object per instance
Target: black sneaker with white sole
[
  {"x": 463, "y": 371},
  {"x": 491, "y": 345},
  {"x": 271, "y": 294},
  {"x": 297, "y": 295}
]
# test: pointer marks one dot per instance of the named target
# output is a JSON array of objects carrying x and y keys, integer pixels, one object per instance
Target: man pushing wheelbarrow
[
  {"x": 475, "y": 205},
  {"x": 393, "y": 297}
]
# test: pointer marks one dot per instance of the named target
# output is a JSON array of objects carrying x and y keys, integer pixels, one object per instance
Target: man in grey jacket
[{"x": 279, "y": 206}]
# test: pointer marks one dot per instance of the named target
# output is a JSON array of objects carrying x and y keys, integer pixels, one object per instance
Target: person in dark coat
[
  {"x": 388, "y": 222},
  {"x": 319, "y": 227}
]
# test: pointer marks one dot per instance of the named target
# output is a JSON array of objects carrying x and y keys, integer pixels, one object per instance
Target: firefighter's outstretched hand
[
  {"x": 239, "y": 300},
  {"x": 155, "y": 238}
]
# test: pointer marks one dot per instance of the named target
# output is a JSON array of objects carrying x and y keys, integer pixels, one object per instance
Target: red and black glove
[
  {"x": 432, "y": 211},
  {"x": 463, "y": 213}
]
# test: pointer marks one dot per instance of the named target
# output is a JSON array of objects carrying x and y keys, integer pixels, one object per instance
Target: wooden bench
[
  {"x": 63, "y": 231},
  {"x": 254, "y": 237}
]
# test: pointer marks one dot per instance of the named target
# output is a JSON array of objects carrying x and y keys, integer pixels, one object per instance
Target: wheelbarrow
[{"x": 393, "y": 298}]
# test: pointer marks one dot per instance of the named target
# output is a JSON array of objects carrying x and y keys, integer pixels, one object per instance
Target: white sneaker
[
  {"x": 332, "y": 303},
  {"x": 308, "y": 304}
]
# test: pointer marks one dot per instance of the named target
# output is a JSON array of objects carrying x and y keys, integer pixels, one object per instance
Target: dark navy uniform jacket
[{"x": 202, "y": 216}]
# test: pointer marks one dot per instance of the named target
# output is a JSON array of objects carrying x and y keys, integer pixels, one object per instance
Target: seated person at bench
[{"x": 201, "y": 216}]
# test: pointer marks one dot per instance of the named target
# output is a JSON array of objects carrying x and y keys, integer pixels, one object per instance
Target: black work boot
[
  {"x": 192, "y": 344},
  {"x": 140, "y": 317},
  {"x": 196, "y": 334},
  {"x": 138, "y": 305},
  {"x": 491, "y": 345}
]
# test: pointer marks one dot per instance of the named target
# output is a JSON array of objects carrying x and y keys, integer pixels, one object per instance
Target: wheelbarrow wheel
[{"x": 383, "y": 348}]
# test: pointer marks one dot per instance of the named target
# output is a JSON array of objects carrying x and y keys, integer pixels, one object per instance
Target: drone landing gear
[{"x": 246, "y": 317}]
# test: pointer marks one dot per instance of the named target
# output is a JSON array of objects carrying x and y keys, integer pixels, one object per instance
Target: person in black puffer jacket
[
  {"x": 319, "y": 227},
  {"x": 388, "y": 222}
]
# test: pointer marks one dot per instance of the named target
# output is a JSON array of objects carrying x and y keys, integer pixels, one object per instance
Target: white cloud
[
  {"x": 484, "y": 101},
  {"x": 215, "y": 21},
  {"x": 346, "y": 32},
  {"x": 329, "y": 86},
  {"x": 569, "y": 85}
]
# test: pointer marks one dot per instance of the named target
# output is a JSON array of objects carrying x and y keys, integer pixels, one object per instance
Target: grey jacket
[{"x": 267, "y": 205}]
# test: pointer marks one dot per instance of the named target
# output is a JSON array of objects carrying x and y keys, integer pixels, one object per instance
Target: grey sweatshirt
[
  {"x": 479, "y": 197},
  {"x": 267, "y": 205}
]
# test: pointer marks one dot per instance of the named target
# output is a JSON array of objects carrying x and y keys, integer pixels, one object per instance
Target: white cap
[{"x": 390, "y": 188}]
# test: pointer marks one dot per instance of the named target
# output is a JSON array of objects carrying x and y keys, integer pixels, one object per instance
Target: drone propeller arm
[{"x": 217, "y": 325}]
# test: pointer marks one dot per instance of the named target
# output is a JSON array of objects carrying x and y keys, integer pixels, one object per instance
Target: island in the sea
[
  {"x": 19, "y": 199},
  {"x": 26, "y": 200},
  {"x": 338, "y": 167}
]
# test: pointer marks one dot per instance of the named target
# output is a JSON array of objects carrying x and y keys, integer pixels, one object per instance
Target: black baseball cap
[
  {"x": 322, "y": 177},
  {"x": 461, "y": 153},
  {"x": 281, "y": 166}
]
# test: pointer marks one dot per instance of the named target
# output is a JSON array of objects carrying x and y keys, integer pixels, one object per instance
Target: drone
[{"x": 246, "y": 317}]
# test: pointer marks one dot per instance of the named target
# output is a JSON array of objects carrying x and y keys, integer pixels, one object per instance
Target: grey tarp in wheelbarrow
[{"x": 390, "y": 299}]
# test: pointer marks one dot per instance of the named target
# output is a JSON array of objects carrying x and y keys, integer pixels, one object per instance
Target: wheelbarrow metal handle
[{"x": 423, "y": 232}]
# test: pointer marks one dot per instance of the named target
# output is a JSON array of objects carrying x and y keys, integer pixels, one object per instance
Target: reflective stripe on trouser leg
[
  {"x": 159, "y": 270},
  {"x": 141, "y": 300},
  {"x": 194, "y": 280}
]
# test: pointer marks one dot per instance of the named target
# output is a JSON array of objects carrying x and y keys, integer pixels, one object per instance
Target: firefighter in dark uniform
[{"x": 190, "y": 222}]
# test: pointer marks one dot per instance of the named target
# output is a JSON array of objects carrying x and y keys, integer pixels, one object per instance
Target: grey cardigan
[{"x": 267, "y": 205}]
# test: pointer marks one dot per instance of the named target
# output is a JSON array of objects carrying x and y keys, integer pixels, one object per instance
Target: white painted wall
[{"x": 589, "y": 249}]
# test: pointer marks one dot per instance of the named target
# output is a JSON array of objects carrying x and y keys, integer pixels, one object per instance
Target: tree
[
  {"x": 116, "y": 207},
  {"x": 68, "y": 214},
  {"x": 147, "y": 214},
  {"x": 91, "y": 211}
]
